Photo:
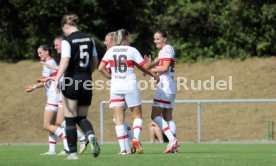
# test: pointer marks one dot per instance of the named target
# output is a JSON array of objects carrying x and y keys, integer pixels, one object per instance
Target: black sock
[
  {"x": 85, "y": 125},
  {"x": 71, "y": 133}
]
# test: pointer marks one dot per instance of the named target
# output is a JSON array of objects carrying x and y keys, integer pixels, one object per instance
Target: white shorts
[
  {"x": 163, "y": 100},
  {"x": 52, "y": 102},
  {"x": 111, "y": 105},
  {"x": 125, "y": 100}
]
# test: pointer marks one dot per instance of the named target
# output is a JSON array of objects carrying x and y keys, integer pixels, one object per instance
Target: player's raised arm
[{"x": 32, "y": 87}]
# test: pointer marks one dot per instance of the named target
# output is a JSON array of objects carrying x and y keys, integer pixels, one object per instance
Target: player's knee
[{"x": 119, "y": 121}]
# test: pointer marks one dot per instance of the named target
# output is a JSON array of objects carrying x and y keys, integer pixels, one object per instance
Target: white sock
[
  {"x": 81, "y": 137},
  {"x": 122, "y": 137},
  {"x": 172, "y": 126},
  {"x": 164, "y": 127},
  {"x": 52, "y": 142},
  {"x": 137, "y": 127},
  {"x": 59, "y": 132},
  {"x": 128, "y": 129},
  {"x": 64, "y": 139}
]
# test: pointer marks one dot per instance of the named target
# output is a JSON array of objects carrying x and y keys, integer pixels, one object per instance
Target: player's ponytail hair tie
[
  {"x": 120, "y": 36},
  {"x": 163, "y": 33},
  {"x": 70, "y": 19}
]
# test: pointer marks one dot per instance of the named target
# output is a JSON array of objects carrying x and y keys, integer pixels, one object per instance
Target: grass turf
[{"x": 190, "y": 155}]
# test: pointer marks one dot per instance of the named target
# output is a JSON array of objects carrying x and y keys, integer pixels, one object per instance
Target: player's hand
[
  {"x": 157, "y": 78},
  {"x": 147, "y": 58},
  {"x": 30, "y": 88}
]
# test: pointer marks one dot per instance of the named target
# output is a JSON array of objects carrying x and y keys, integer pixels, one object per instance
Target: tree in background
[{"x": 198, "y": 29}]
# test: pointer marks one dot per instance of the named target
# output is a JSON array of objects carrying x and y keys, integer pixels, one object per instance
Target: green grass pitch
[{"x": 190, "y": 155}]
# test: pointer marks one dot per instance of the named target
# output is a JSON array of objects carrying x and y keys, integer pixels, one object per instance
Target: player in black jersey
[{"x": 78, "y": 61}]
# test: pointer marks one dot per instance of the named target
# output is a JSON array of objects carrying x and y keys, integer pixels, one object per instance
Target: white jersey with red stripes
[
  {"x": 47, "y": 72},
  {"x": 167, "y": 83},
  {"x": 122, "y": 60}
]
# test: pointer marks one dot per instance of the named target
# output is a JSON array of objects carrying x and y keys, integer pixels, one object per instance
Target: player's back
[
  {"x": 122, "y": 60},
  {"x": 81, "y": 54}
]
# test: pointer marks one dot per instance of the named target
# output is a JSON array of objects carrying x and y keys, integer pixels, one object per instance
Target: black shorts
[{"x": 78, "y": 89}]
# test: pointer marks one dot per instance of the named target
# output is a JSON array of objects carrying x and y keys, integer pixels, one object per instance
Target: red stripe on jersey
[
  {"x": 161, "y": 60},
  {"x": 165, "y": 129},
  {"x": 52, "y": 142},
  {"x": 122, "y": 137},
  {"x": 117, "y": 100},
  {"x": 105, "y": 62},
  {"x": 166, "y": 59},
  {"x": 142, "y": 63},
  {"x": 137, "y": 127},
  {"x": 54, "y": 74},
  {"x": 161, "y": 101},
  {"x": 129, "y": 63},
  {"x": 108, "y": 69},
  {"x": 55, "y": 105}
]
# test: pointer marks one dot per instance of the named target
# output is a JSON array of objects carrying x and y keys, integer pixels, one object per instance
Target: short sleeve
[
  {"x": 65, "y": 49},
  {"x": 167, "y": 53},
  {"x": 105, "y": 58}
]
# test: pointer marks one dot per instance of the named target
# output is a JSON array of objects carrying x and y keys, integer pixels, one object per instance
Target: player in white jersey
[
  {"x": 164, "y": 98},
  {"x": 52, "y": 98},
  {"x": 108, "y": 42},
  {"x": 122, "y": 59},
  {"x": 60, "y": 117}
]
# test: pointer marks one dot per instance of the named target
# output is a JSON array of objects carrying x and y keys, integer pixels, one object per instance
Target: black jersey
[{"x": 81, "y": 54}]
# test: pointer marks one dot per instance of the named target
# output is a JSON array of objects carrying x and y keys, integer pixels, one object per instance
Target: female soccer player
[
  {"x": 122, "y": 59},
  {"x": 108, "y": 42},
  {"x": 166, "y": 89},
  {"x": 52, "y": 98},
  {"x": 78, "y": 61},
  {"x": 60, "y": 116}
]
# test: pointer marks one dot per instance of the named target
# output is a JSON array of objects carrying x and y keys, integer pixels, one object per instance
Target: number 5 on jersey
[{"x": 84, "y": 56}]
